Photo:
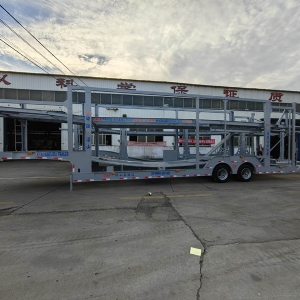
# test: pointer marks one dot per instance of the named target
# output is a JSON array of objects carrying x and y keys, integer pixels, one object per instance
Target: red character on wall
[
  {"x": 275, "y": 96},
  {"x": 126, "y": 86},
  {"x": 180, "y": 89},
  {"x": 230, "y": 93},
  {"x": 62, "y": 82},
  {"x": 2, "y": 79}
]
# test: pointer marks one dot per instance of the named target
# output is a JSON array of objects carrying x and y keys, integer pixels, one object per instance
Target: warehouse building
[{"x": 53, "y": 88}]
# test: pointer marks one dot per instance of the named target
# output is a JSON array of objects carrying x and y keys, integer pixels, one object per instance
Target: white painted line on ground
[{"x": 161, "y": 197}]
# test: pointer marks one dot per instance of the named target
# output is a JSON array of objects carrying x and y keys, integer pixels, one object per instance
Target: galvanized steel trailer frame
[{"x": 219, "y": 163}]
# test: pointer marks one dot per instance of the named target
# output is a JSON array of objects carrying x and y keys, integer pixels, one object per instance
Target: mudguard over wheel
[
  {"x": 244, "y": 173},
  {"x": 221, "y": 173}
]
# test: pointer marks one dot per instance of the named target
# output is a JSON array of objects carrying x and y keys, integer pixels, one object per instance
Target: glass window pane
[
  {"x": 23, "y": 94},
  {"x": 1, "y": 93},
  {"x": 36, "y": 95},
  {"x": 48, "y": 96},
  {"x": 251, "y": 105},
  {"x": 242, "y": 105},
  {"x": 116, "y": 99},
  {"x": 75, "y": 97},
  {"x": 10, "y": 94},
  {"x": 141, "y": 138},
  {"x": 216, "y": 104},
  {"x": 137, "y": 100},
  {"x": 105, "y": 98},
  {"x": 148, "y": 101},
  {"x": 158, "y": 101},
  {"x": 206, "y": 103},
  {"x": 81, "y": 97},
  {"x": 259, "y": 106},
  {"x": 178, "y": 102},
  {"x": 168, "y": 102},
  {"x": 60, "y": 96},
  {"x": 127, "y": 99},
  {"x": 298, "y": 107},
  {"x": 233, "y": 104},
  {"x": 95, "y": 98},
  {"x": 188, "y": 103},
  {"x": 151, "y": 138}
]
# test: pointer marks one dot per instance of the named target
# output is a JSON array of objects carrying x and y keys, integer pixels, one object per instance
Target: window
[
  {"x": 189, "y": 103},
  {"x": 60, "y": 96},
  {"x": 233, "y": 104},
  {"x": 105, "y": 98},
  {"x": 23, "y": 94},
  {"x": 250, "y": 105},
  {"x": 95, "y": 98},
  {"x": 75, "y": 97},
  {"x": 104, "y": 139},
  {"x": 217, "y": 104},
  {"x": 116, "y": 99},
  {"x": 148, "y": 101},
  {"x": 127, "y": 100},
  {"x": 146, "y": 138},
  {"x": 158, "y": 101},
  {"x": 48, "y": 96},
  {"x": 137, "y": 100},
  {"x": 10, "y": 94},
  {"x": 36, "y": 95},
  {"x": 81, "y": 97},
  {"x": 178, "y": 102},
  {"x": 168, "y": 102},
  {"x": 206, "y": 103}
]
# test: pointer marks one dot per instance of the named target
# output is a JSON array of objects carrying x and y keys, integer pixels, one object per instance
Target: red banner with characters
[{"x": 201, "y": 141}]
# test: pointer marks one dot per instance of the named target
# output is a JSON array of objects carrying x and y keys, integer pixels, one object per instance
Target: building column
[{"x": 1, "y": 134}]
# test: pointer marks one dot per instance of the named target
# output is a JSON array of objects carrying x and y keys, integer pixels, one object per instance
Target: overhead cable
[{"x": 41, "y": 44}]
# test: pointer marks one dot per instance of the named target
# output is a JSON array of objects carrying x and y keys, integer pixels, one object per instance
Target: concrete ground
[{"x": 109, "y": 240}]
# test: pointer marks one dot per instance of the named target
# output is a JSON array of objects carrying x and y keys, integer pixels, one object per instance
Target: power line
[
  {"x": 25, "y": 57},
  {"x": 14, "y": 47},
  {"x": 37, "y": 64},
  {"x": 41, "y": 43},
  {"x": 30, "y": 45}
]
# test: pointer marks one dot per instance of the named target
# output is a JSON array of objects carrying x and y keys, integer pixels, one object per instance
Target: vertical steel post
[
  {"x": 186, "y": 147},
  {"x": 96, "y": 133},
  {"x": 225, "y": 126},
  {"x": 70, "y": 119},
  {"x": 294, "y": 135},
  {"x": 197, "y": 133},
  {"x": 267, "y": 133}
]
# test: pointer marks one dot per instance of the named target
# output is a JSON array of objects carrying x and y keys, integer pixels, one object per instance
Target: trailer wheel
[
  {"x": 244, "y": 173},
  {"x": 220, "y": 173}
]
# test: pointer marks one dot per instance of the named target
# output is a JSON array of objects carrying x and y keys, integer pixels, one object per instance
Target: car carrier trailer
[{"x": 221, "y": 161}]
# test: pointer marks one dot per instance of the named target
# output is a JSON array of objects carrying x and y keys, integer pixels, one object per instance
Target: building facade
[{"x": 53, "y": 88}]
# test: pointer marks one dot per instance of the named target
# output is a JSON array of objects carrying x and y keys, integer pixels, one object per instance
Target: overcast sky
[{"x": 241, "y": 43}]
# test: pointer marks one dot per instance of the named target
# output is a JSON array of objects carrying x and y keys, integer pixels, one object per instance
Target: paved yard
[{"x": 109, "y": 240}]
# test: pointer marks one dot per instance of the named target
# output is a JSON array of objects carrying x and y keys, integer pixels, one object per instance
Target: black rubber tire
[
  {"x": 221, "y": 173},
  {"x": 245, "y": 173}
]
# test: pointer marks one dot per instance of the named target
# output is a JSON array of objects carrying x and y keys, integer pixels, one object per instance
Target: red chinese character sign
[
  {"x": 201, "y": 141},
  {"x": 62, "y": 82},
  {"x": 126, "y": 86},
  {"x": 276, "y": 96},
  {"x": 180, "y": 89},
  {"x": 2, "y": 79},
  {"x": 230, "y": 93}
]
